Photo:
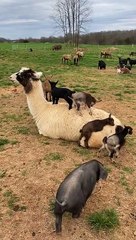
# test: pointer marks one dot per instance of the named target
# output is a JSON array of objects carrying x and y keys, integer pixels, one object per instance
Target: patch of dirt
[{"x": 34, "y": 177}]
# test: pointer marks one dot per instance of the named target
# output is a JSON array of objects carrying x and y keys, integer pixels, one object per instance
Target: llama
[{"x": 55, "y": 120}]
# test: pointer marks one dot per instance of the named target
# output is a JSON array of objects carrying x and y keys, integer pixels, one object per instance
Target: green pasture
[{"x": 85, "y": 77}]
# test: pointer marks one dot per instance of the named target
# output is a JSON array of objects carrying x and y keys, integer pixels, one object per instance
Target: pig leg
[
  {"x": 58, "y": 222},
  {"x": 76, "y": 214}
]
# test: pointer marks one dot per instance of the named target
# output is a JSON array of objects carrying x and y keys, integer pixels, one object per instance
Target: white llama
[{"x": 56, "y": 121}]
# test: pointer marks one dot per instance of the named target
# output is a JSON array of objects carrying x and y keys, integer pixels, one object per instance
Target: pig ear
[{"x": 103, "y": 173}]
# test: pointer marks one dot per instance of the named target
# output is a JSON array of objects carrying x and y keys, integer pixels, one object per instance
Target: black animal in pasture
[
  {"x": 76, "y": 188},
  {"x": 101, "y": 65},
  {"x": 94, "y": 126},
  {"x": 58, "y": 93},
  {"x": 131, "y": 62},
  {"x": 122, "y": 62}
]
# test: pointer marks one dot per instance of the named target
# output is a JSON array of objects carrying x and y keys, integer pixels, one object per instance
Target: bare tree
[{"x": 71, "y": 16}]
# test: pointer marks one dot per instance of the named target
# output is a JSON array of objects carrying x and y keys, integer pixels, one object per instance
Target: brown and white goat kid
[{"x": 94, "y": 126}]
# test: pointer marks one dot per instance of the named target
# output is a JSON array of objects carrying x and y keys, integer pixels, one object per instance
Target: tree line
[{"x": 100, "y": 38}]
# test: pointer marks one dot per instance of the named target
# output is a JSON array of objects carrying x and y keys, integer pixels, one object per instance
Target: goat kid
[
  {"x": 58, "y": 93},
  {"x": 47, "y": 89},
  {"x": 114, "y": 142},
  {"x": 94, "y": 126},
  {"x": 101, "y": 65},
  {"x": 76, "y": 188},
  {"x": 83, "y": 99}
]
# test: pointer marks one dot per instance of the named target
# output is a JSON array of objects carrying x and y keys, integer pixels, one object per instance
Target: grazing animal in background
[
  {"x": 94, "y": 126},
  {"x": 75, "y": 59},
  {"x": 105, "y": 54},
  {"x": 132, "y": 54},
  {"x": 76, "y": 188},
  {"x": 80, "y": 54},
  {"x": 101, "y": 65},
  {"x": 66, "y": 58},
  {"x": 83, "y": 99},
  {"x": 114, "y": 142},
  {"x": 122, "y": 62},
  {"x": 123, "y": 70},
  {"x": 55, "y": 120},
  {"x": 131, "y": 62},
  {"x": 57, "y": 47},
  {"x": 30, "y": 50},
  {"x": 58, "y": 93}
]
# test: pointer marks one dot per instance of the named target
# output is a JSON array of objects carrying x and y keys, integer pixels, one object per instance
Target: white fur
[
  {"x": 14, "y": 75},
  {"x": 56, "y": 121}
]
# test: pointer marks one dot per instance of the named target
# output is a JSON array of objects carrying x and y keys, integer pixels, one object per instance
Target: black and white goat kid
[{"x": 114, "y": 142}]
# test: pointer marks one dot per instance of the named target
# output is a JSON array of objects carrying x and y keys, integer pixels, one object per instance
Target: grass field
[{"x": 32, "y": 166}]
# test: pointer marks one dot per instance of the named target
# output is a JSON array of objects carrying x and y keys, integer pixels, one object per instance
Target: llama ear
[{"x": 110, "y": 115}]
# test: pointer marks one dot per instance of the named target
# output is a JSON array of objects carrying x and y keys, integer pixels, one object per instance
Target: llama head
[{"x": 25, "y": 76}]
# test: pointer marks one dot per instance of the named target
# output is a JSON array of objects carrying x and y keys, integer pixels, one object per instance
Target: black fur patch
[{"x": 24, "y": 79}]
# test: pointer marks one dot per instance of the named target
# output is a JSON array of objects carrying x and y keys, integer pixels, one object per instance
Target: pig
[{"x": 76, "y": 188}]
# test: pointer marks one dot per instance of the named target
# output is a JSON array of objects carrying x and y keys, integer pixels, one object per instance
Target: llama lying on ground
[
  {"x": 76, "y": 188},
  {"x": 94, "y": 126},
  {"x": 114, "y": 142},
  {"x": 58, "y": 93},
  {"x": 55, "y": 120}
]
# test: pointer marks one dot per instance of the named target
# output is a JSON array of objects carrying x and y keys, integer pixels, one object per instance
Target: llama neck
[{"x": 35, "y": 99}]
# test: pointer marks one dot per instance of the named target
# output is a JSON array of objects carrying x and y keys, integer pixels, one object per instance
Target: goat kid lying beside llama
[{"x": 56, "y": 121}]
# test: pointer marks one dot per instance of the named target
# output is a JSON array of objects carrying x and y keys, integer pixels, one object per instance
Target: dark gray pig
[{"x": 76, "y": 188}]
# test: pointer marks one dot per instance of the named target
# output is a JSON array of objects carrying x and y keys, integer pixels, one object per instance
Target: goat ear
[{"x": 103, "y": 173}]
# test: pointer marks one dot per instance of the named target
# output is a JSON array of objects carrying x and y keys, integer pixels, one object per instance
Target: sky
[{"x": 33, "y": 18}]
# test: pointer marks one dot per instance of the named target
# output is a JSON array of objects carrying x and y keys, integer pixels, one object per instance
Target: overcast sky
[{"x": 32, "y": 18}]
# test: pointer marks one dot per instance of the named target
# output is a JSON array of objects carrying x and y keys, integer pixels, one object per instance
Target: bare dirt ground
[{"x": 33, "y": 177}]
